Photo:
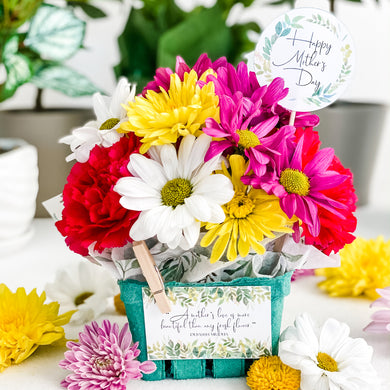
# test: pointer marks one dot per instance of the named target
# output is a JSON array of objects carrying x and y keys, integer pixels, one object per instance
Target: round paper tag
[{"x": 312, "y": 51}]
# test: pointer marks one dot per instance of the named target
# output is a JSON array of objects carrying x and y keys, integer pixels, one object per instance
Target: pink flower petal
[{"x": 320, "y": 162}]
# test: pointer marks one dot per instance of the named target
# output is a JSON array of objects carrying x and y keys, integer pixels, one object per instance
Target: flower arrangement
[{"x": 206, "y": 168}]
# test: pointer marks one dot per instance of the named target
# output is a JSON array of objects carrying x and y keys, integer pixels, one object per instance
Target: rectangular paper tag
[
  {"x": 225, "y": 322},
  {"x": 54, "y": 207}
]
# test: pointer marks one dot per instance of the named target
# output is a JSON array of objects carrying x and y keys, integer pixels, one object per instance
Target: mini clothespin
[{"x": 152, "y": 275}]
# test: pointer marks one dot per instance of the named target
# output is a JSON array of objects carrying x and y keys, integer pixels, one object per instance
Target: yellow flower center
[
  {"x": 80, "y": 299},
  {"x": 240, "y": 206},
  {"x": 102, "y": 363},
  {"x": 119, "y": 305},
  {"x": 270, "y": 373},
  {"x": 326, "y": 362},
  {"x": 295, "y": 182},
  {"x": 175, "y": 191},
  {"x": 109, "y": 124},
  {"x": 248, "y": 139}
]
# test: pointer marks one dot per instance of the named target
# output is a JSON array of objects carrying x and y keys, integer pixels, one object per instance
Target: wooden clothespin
[{"x": 152, "y": 275}]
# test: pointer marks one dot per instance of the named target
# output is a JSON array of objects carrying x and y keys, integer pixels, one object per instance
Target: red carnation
[
  {"x": 335, "y": 232},
  {"x": 92, "y": 212}
]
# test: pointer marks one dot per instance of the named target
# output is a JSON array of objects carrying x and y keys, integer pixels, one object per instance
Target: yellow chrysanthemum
[
  {"x": 161, "y": 117},
  {"x": 365, "y": 266},
  {"x": 250, "y": 215},
  {"x": 26, "y": 323},
  {"x": 270, "y": 373}
]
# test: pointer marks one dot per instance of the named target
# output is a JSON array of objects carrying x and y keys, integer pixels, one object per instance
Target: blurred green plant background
[{"x": 159, "y": 31}]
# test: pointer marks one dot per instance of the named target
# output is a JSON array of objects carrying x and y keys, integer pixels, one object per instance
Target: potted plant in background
[
  {"x": 159, "y": 31},
  {"x": 35, "y": 40},
  {"x": 344, "y": 121},
  {"x": 18, "y": 191}
]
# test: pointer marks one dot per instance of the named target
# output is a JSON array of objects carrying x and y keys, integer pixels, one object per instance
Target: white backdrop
[{"x": 368, "y": 23}]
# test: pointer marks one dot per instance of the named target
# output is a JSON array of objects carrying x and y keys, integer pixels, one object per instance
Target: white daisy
[
  {"x": 326, "y": 356},
  {"x": 103, "y": 131},
  {"x": 86, "y": 288},
  {"x": 175, "y": 192}
]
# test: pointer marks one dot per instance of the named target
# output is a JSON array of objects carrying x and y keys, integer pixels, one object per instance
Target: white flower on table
[
  {"x": 327, "y": 357},
  {"x": 103, "y": 131},
  {"x": 175, "y": 191},
  {"x": 86, "y": 288}
]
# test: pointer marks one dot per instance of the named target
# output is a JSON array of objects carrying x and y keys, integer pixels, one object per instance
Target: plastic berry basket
[{"x": 131, "y": 295}]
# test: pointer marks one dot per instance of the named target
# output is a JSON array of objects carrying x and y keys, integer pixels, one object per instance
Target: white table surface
[{"x": 36, "y": 263}]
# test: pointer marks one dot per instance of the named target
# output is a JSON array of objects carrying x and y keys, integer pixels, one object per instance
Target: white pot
[{"x": 18, "y": 189}]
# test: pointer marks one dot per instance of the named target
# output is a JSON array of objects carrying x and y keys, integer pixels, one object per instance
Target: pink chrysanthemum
[
  {"x": 103, "y": 359},
  {"x": 301, "y": 273},
  {"x": 163, "y": 75},
  {"x": 299, "y": 187},
  {"x": 230, "y": 80},
  {"x": 381, "y": 319},
  {"x": 260, "y": 144}
]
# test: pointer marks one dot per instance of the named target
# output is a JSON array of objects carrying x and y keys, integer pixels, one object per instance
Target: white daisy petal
[
  {"x": 191, "y": 235},
  {"x": 139, "y": 204},
  {"x": 100, "y": 108},
  {"x": 307, "y": 331},
  {"x": 151, "y": 172},
  {"x": 150, "y": 223},
  {"x": 198, "y": 207},
  {"x": 77, "y": 282},
  {"x": 154, "y": 153},
  {"x": 171, "y": 236},
  {"x": 217, "y": 213},
  {"x": 314, "y": 382},
  {"x": 206, "y": 169},
  {"x": 136, "y": 188},
  {"x": 181, "y": 216},
  {"x": 212, "y": 186},
  {"x": 124, "y": 93},
  {"x": 184, "y": 156},
  {"x": 109, "y": 137},
  {"x": 83, "y": 139},
  {"x": 169, "y": 161},
  {"x": 302, "y": 346},
  {"x": 333, "y": 335}
]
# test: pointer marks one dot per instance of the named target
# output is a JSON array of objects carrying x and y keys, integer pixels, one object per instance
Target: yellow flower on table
[
  {"x": 270, "y": 373},
  {"x": 26, "y": 322},
  {"x": 365, "y": 266},
  {"x": 251, "y": 215},
  {"x": 162, "y": 117}
]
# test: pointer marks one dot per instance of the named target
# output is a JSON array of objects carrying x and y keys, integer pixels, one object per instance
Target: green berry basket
[{"x": 131, "y": 295}]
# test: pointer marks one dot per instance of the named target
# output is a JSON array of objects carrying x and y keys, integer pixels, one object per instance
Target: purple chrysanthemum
[
  {"x": 299, "y": 187},
  {"x": 262, "y": 144},
  {"x": 103, "y": 359}
]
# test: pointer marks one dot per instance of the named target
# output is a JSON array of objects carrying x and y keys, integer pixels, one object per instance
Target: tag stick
[
  {"x": 292, "y": 118},
  {"x": 152, "y": 275}
]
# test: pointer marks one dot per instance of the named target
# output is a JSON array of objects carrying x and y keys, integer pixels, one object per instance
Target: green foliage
[
  {"x": 155, "y": 34},
  {"x": 55, "y": 33},
  {"x": 14, "y": 13},
  {"x": 51, "y": 36}
]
